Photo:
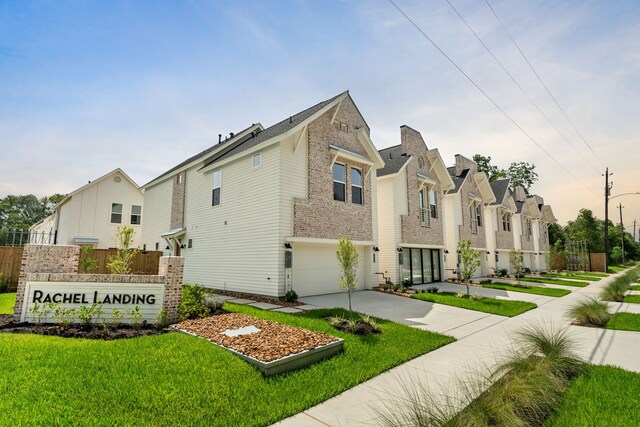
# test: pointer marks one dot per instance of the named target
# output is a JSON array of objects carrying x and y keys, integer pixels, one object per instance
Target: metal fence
[{"x": 19, "y": 238}]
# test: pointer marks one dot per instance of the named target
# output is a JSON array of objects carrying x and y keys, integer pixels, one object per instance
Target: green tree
[
  {"x": 121, "y": 262},
  {"x": 469, "y": 261},
  {"x": 515, "y": 260},
  {"x": 21, "y": 212},
  {"x": 556, "y": 233},
  {"x": 587, "y": 227},
  {"x": 522, "y": 174},
  {"x": 87, "y": 264},
  {"x": 348, "y": 259},
  {"x": 484, "y": 165},
  {"x": 616, "y": 254}
]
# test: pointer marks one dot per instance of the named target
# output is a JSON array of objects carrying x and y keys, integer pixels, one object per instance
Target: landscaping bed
[
  {"x": 257, "y": 298},
  {"x": 483, "y": 304},
  {"x": 536, "y": 290},
  {"x": 270, "y": 342},
  {"x": 80, "y": 331}
]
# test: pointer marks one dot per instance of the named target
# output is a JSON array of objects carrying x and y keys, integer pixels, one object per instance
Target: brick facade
[
  {"x": 504, "y": 239},
  {"x": 319, "y": 216},
  {"x": 528, "y": 244},
  {"x": 478, "y": 240},
  {"x": 177, "y": 200},
  {"x": 412, "y": 230},
  {"x": 56, "y": 263}
]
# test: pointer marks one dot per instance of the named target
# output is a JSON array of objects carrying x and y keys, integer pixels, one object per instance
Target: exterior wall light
[
  {"x": 376, "y": 249},
  {"x": 288, "y": 246}
]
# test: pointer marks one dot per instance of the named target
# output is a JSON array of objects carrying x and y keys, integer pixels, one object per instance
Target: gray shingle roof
[
  {"x": 457, "y": 180},
  {"x": 275, "y": 130},
  {"x": 393, "y": 160},
  {"x": 500, "y": 188}
]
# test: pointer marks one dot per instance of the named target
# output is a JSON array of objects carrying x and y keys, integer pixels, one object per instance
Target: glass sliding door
[
  {"x": 427, "y": 269},
  {"x": 416, "y": 266}
]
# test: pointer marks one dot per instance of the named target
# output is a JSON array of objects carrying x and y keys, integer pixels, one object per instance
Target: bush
[
  {"x": 590, "y": 312},
  {"x": 86, "y": 264},
  {"x": 475, "y": 296},
  {"x": 135, "y": 317},
  {"x": 86, "y": 315},
  {"x": 4, "y": 284},
  {"x": 291, "y": 296},
  {"x": 64, "y": 316},
  {"x": 193, "y": 303},
  {"x": 162, "y": 319},
  {"x": 213, "y": 303},
  {"x": 121, "y": 262},
  {"x": 485, "y": 282},
  {"x": 407, "y": 283},
  {"x": 502, "y": 272},
  {"x": 433, "y": 289}
]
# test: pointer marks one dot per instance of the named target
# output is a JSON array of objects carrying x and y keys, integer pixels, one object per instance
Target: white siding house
[
  {"x": 91, "y": 214},
  {"x": 258, "y": 212}
]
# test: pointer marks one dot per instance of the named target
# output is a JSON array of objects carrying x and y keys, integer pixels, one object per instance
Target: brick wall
[
  {"x": 412, "y": 230},
  {"x": 56, "y": 263},
  {"x": 478, "y": 240},
  {"x": 320, "y": 216},
  {"x": 504, "y": 239}
]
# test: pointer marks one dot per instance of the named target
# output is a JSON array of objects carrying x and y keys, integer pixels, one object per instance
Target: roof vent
[
  {"x": 219, "y": 138},
  {"x": 390, "y": 155},
  {"x": 404, "y": 155},
  {"x": 230, "y": 134},
  {"x": 290, "y": 119}
]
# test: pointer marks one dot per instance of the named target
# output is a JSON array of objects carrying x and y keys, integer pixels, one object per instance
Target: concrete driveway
[{"x": 445, "y": 319}]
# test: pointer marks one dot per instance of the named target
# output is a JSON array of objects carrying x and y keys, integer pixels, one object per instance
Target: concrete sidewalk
[{"x": 477, "y": 348}]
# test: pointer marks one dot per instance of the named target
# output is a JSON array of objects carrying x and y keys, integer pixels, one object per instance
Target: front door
[{"x": 421, "y": 265}]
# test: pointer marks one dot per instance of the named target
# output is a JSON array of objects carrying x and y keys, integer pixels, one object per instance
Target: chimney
[{"x": 463, "y": 163}]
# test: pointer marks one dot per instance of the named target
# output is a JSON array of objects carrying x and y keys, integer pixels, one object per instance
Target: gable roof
[
  {"x": 275, "y": 130},
  {"x": 500, "y": 188},
  {"x": 457, "y": 180},
  {"x": 393, "y": 160},
  {"x": 95, "y": 181}
]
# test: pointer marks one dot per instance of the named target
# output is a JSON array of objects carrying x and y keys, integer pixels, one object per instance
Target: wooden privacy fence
[
  {"x": 596, "y": 261},
  {"x": 143, "y": 263}
]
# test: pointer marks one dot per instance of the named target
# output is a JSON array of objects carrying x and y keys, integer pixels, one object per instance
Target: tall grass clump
[
  {"x": 590, "y": 312},
  {"x": 521, "y": 391},
  {"x": 616, "y": 290}
]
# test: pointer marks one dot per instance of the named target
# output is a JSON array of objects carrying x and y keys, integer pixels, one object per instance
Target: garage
[{"x": 316, "y": 270}]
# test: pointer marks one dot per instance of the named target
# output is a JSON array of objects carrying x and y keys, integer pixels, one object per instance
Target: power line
[
  {"x": 518, "y": 85},
  {"x": 488, "y": 97},
  {"x": 542, "y": 82}
]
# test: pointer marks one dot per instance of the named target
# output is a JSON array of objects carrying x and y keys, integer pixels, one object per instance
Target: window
[
  {"x": 339, "y": 182},
  {"x": 528, "y": 229},
  {"x": 190, "y": 243},
  {"x": 424, "y": 216},
  {"x": 433, "y": 207},
  {"x": 179, "y": 179},
  {"x": 479, "y": 214},
  {"x": 217, "y": 183},
  {"x": 116, "y": 213},
  {"x": 421, "y": 162},
  {"x": 506, "y": 221},
  {"x": 157, "y": 246},
  {"x": 136, "y": 215},
  {"x": 257, "y": 160},
  {"x": 356, "y": 186}
]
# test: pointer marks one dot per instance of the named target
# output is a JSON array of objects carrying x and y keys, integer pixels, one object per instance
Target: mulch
[
  {"x": 77, "y": 331},
  {"x": 273, "y": 342},
  {"x": 258, "y": 298}
]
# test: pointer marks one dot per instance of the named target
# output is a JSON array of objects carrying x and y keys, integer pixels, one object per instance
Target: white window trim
[
  {"x": 131, "y": 214},
  {"x": 361, "y": 186},
  {"x": 213, "y": 187},
  {"x": 122, "y": 215},
  {"x": 333, "y": 180}
]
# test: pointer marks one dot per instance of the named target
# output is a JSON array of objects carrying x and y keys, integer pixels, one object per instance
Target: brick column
[
  {"x": 172, "y": 268},
  {"x": 44, "y": 259}
]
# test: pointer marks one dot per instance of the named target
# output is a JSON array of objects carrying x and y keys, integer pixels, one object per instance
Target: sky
[{"x": 86, "y": 87}]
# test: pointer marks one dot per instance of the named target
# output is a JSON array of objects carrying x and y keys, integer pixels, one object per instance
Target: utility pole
[
  {"x": 622, "y": 233},
  {"x": 607, "y": 189},
  {"x": 634, "y": 230}
]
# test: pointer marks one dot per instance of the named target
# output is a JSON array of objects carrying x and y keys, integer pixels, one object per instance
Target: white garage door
[{"x": 316, "y": 270}]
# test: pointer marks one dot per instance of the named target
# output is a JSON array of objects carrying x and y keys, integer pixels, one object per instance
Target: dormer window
[{"x": 506, "y": 221}]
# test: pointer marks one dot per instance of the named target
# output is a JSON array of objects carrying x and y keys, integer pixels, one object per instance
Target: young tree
[
  {"x": 87, "y": 264},
  {"x": 348, "y": 258},
  {"x": 469, "y": 261},
  {"x": 515, "y": 259},
  {"x": 121, "y": 262}
]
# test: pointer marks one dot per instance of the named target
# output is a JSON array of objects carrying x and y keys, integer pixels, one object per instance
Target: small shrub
[
  {"x": 402, "y": 289},
  {"x": 407, "y": 283},
  {"x": 86, "y": 315},
  {"x": 502, "y": 272},
  {"x": 121, "y": 262},
  {"x": 485, "y": 282},
  {"x": 213, "y": 303},
  {"x": 460, "y": 295},
  {"x": 116, "y": 318},
  {"x": 193, "y": 304},
  {"x": 162, "y": 319},
  {"x": 291, "y": 296},
  {"x": 86, "y": 264},
  {"x": 335, "y": 321},
  {"x": 527, "y": 270},
  {"x": 135, "y": 317},
  {"x": 476, "y": 296},
  {"x": 36, "y": 313},
  {"x": 433, "y": 289},
  {"x": 590, "y": 312},
  {"x": 64, "y": 316}
]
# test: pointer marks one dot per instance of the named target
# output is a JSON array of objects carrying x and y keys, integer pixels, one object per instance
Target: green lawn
[
  {"x": 537, "y": 290},
  {"x": 624, "y": 322},
  {"x": 635, "y": 288},
  {"x": 599, "y": 396},
  {"x": 632, "y": 298},
  {"x": 554, "y": 281},
  {"x": 177, "y": 379},
  {"x": 584, "y": 277},
  {"x": 7, "y": 302},
  {"x": 486, "y": 305}
]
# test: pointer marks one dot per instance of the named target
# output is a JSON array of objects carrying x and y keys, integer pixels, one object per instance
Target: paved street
[{"x": 482, "y": 340}]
